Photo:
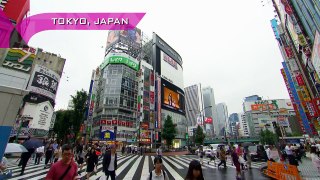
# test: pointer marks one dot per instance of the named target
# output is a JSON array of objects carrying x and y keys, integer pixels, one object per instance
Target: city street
[{"x": 138, "y": 167}]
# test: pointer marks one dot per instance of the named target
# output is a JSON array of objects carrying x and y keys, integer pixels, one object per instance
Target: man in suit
[{"x": 110, "y": 163}]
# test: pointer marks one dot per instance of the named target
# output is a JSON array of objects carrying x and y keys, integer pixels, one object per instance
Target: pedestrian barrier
[{"x": 281, "y": 171}]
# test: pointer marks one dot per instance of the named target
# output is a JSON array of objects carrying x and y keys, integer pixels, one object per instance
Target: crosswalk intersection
[{"x": 129, "y": 167}]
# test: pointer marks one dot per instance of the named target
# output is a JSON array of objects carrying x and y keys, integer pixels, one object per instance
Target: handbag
[{"x": 241, "y": 160}]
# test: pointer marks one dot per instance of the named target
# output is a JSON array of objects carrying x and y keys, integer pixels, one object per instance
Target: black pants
[
  {"x": 48, "y": 158},
  {"x": 223, "y": 162},
  {"x": 112, "y": 174},
  {"x": 38, "y": 156}
]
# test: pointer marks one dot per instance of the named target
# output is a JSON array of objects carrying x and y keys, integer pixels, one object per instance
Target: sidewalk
[
  {"x": 169, "y": 153},
  {"x": 308, "y": 171}
]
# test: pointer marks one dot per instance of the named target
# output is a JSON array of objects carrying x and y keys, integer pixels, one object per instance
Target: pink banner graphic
[{"x": 68, "y": 21}]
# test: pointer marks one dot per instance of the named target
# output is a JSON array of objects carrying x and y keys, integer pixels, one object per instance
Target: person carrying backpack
[{"x": 158, "y": 172}]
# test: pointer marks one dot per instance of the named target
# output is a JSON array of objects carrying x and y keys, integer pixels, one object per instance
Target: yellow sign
[
  {"x": 302, "y": 40},
  {"x": 107, "y": 135}
]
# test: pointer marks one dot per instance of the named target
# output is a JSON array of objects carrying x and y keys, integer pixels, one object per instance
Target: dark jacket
[{"x": 106, "y": 161}]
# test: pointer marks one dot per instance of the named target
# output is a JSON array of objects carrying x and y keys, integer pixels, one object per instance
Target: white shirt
[
  {"x": 40, "y": 149},
  {"x": 158, "y": 177},
  {"x": 111, "y": 165}
]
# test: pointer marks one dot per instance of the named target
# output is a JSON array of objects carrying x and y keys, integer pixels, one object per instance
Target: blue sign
[
  {"x": 296, "y": 99},
  {"x": 107, "y": 135}
]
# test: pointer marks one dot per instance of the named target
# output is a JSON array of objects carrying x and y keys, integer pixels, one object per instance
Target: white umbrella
[{"x": 15, "y": 148}]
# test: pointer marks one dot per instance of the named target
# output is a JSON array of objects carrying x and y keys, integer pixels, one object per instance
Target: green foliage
[
  {"x": 199, "y": 136},
  {"x": 63, "y": 124},
  {"x": 268, "y": 137},
  {"x": 168, "y": 131},
  {"x": 69, "y": 121},
  {"x": 79, "y": 104}
]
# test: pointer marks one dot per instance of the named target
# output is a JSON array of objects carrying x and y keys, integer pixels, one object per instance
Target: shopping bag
[{"x": 241, "y": 160}]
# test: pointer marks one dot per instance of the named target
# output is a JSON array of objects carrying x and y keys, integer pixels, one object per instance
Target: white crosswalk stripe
[{"x": 129, "y": 167}]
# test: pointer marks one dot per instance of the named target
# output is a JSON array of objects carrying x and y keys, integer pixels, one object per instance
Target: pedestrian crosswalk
[{"x": 129, "y": 167}]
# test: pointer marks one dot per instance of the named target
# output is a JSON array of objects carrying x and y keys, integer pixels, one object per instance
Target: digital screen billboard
[
  {"x": 172, "y": 97},
  {"x": 171, "y": 71}
]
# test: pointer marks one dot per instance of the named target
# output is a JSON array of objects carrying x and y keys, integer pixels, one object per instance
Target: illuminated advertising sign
[
  {"x": 107, "y": 135},
  {"x": 120, "y": 58},
  {"x": 113, "y": 38},
  {"x": 171, "y": 71},
  {"x": 172, "y": 97}
]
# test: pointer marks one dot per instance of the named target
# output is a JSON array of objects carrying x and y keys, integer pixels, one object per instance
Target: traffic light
[{"x": 187, "y": 136}]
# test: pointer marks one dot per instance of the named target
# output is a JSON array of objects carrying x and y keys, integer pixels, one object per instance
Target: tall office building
[
  {"x": 138, "y": 85},
  {"x": 232, "y": 123},
  {"x": 222, "y": 117},
  {"x": 194, "y": 104},
  {"x": 297, "y": 32},
  {"x": 209, "y": 101},
  {"x": 244, "y": 130}
]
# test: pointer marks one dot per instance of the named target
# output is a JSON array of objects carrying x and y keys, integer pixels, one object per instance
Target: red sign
[
  {"x": 151, "y": 97},
  {"x": 289, "y": 52},
  {"x": 208, "y": 120},
  {"x": 114, "y": 122},
  {"x": 288, "y": 9},
  {"x": 103, "y": 121},
  {"x": 145, "y": 141},
  {"x": 127, "y": 123},
  {"x": 123, "y": 123},
  {"x": 316, "y": 103},
  {"x": 299, "y": 79},
  {"x": 119, "y": 123},
  {"x": 108, "y": 122}
]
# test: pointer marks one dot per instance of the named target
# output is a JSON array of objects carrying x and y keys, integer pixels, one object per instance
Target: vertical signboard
[
  {"x": 296, "y": 99},
  {"x": 158, "y": 103}
]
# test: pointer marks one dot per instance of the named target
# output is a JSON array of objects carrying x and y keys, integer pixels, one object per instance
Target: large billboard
[
  {"x": 315, "y": 59},
  {"x": 44, "y": 81},
  {"x": 40, "y": 115},
  {"x": 171, "y": 70},
  {"x": 16, "y": 9},
  {"x": 172, "y": 97},
  {"x": 113, "y": 38},
  {"x": 20, "y": 59}
]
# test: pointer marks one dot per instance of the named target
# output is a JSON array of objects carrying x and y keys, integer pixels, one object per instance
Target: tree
[
  {"x": 268, "y": 137},
  {"x": 79, "y": 104},
  {"x": 63, "y": 123},
  {"x": 199, "y": 136},
  {"x": 168, "y": 131}
]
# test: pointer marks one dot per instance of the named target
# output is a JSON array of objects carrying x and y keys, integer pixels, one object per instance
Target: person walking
[
  {"x": 48, "y": 154},
  {"x": 92, "y": 161},
  {"x": 25, "y": 156},
  {"x": 222, "y": 157},
  {"x": 80, "y": 160},
  {"x": 159, "y": 152},
  {"x": 158, "y": 172},
  {"x": 39, "y": 154},
  {"x": 66, "y": 168},
  {"x": 235, "y": 160},
  {"x": 201, "y": 154},
  {"x": 110, "y": 163},
  {"x": 212, "y": 156},
  {"x": 194, "y": 171}
]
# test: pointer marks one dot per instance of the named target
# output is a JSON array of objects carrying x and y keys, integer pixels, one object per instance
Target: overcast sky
[{"x": 228, "y": 45}]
